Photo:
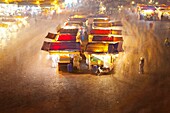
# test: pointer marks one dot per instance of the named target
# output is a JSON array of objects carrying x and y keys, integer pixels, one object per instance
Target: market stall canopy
[
  {"x": 102, "y": 48},
  {"x": 66, "y": 37},
  {"x": 78, "y": 19},
  {"x": 8, "y": 20},
  {"x": 62, "y": 37},
  {"x": 74, "y": 23},
  {"x": 101, "y": 20},
  {"x": 2, "y": 25},
  {"x": 107, "y": 38},
  {"x": 70, "y": 31},
  {"x": 98, "y": 16},
  {"x": 102, "y": 24},
  {"x": 99, "y": 31},
  {"x": 102, "y": 38},
  {"x": 116, "y": 23},
  {"x": 30, "y": 2},
  {"x": 51, "y": 35},
  {"x": 105, "y": 31},
  {"x": 61, "y": 46}
]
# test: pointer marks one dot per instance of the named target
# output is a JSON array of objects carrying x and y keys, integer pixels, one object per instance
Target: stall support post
[
  {"x": 89, "y": 63},
  {"x": 57, "y": 68}
]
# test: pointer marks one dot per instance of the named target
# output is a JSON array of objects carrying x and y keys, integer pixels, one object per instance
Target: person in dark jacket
[{"x": 141, "y": 66}]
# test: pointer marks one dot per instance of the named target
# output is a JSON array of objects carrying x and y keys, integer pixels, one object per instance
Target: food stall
[
  {"x": 62, "y": 51},
  {"x": 101, "y": 55}
]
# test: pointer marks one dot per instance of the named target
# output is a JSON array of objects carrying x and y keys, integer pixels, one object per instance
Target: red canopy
[
  {"x": 100, "y": 31},
  {"x": 61, "y": 46},
  {"x": 66, "y": 37},
  {"x": 106, "y": 32}
]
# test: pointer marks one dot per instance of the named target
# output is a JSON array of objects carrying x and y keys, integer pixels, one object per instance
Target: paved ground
[{"x": 29, "y": 84}]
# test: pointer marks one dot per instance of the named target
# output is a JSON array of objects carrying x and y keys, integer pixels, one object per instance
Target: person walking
[
  {"x": 55, "y": 60},
  {"x": 141, "y": 66},
  {"x": 166, "y": 42}
]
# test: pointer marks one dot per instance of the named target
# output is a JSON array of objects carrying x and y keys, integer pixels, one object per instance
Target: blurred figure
[
  {"x": 127, "y": 17},
  {"x": 76, "y": 61},
  {"x": 151, "y": 26},
  {"x": 99, "y": 70},
  {"x": 85, "y": 35},
  {"x": 90, "y": 27},
  {"x": 82, "y": 35},
  {"x": 166, "y": 42},
  {"x": 55, "y": 60},
  {"x": 141, "y": 66}
]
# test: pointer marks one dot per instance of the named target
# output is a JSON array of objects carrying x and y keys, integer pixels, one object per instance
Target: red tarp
[
  {"x": 106, "y": 32},
  {"x": 71, "y": 46},
  {"x": 66, "y": 37},
  {"x": 59, "y": 46},
  {"x": 100, "y": 31}
]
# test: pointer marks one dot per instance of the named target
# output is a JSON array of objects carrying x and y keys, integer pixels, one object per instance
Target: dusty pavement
[{"x": 29, "y": 85}]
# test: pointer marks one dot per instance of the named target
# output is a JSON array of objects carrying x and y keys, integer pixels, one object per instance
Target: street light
[
  {"x": 55, "y": 2},
  {"x": 133, "y": 2},
  {"x": 156, "y": 3},
  {"x": 6, "y": 1},
  {"x": 150, "y": 2},
  {"x": 38, "y": 2}
]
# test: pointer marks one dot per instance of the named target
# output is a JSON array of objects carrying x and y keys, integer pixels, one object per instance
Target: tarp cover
[
  {"x": 74, "y": 23},
  {"x": 46, "y": 46},
  {"x": 51, "y": 35},
  {"x": 61, "y": 46},
  {"x": 66, "y": 37},
  {"x": 102, "y": 38},
  {"x": 98, "y": 16},
  {"x": 70, "y": 31},
  {"x": 100, "y": 31},
  {"x": 78, "y": 19},
  {"x": 104, "y": 24},
  {"x": 106, "y": 32},
  {"x": 117, "y": 23},
  {"x": 100, "y": 20},
  {"x": 116, "y": 32},
  {"x": 70, "y": 46},
  {"x": 102, "y": 48}
]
